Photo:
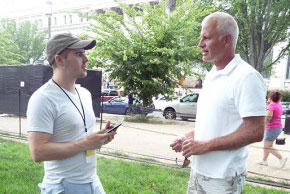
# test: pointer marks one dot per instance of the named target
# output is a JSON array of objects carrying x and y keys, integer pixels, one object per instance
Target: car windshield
[
  {"x": 190, "y": 98},
  {"x": 169, "y": 98},
  {"x": 119, "y": 99}
]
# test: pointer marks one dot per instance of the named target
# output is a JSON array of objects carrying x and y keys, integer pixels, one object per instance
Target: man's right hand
[
  {"x": 176, "y": 145},
  {"x": 97, "y": 139}
]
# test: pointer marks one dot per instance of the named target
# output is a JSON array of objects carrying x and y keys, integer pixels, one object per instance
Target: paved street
[{"x": 152, "y": 140}]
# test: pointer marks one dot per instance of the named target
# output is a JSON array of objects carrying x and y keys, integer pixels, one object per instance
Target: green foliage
[
  {"x": 251, "y": 189},
  {"x": 141, "y": 118},
  {"x": 29, "y": 41},
  {"x": 8, "y": 50},
  {"x": 138, "y": 118},
  {"x": 263, "y": 24},
  {"x": 148, "y": 48},
  {"x": 19, "y": 174}
]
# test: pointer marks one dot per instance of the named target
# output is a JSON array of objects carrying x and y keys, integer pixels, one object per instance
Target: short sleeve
[
  {"x": 271, "y": 107},
  {"x": 40, "y": 114},
  {"x": 250, "y": 95}
]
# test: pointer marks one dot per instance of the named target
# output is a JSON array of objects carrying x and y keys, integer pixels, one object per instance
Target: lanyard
[{"x": 82, "y": 115}]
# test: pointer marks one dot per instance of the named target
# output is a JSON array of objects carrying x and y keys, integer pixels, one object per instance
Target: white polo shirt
[{"x": 227, "y": 96}]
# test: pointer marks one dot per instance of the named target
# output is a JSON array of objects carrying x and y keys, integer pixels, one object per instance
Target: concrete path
[{"x": 152, "y": 141}]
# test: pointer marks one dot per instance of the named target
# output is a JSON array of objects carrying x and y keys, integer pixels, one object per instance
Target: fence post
[{"x": 19, "y": 103}]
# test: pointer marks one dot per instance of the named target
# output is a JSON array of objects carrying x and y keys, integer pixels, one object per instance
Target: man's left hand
[{"x": 192, "y": 147}]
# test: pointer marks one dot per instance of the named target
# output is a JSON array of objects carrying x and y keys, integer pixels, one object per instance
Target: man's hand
[
  {"x": 96, "y": 140},
  {"x": 103, "y": 131},
  {"x": 176, "y": 145},
  {"x": 43, "y": 149},
  {"x": 192, "y": 147}
]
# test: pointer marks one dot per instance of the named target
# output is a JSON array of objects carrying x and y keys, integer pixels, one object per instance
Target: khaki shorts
[{"x": 199, "y": 184}]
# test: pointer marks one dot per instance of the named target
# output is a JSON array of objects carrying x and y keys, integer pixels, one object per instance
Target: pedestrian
[
  {"x": 130, "y": 102},
  {"x": 230, "y": 113},
  {"x": 273, "y": 128},
  {"x": 61, "y": 122},
  {"x": 198, "y": 83}
]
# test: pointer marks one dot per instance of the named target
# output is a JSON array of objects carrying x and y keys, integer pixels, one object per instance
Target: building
[
  {"x": 280, "y": 74},
  {"x": 63, "y": 15}
]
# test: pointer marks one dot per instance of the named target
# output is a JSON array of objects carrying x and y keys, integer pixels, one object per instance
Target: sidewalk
[{"x": 153, "y": 140}]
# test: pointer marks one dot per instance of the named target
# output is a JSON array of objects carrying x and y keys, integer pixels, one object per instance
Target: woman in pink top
[{"x": 273, "y": 128}]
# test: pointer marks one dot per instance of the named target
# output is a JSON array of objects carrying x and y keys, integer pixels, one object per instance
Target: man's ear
[
  {"x": 228, "y": 40},
  {"x": 58, "y": 59}
]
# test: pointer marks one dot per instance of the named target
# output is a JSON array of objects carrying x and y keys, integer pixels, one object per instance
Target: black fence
[{"x": 17, "y": 84}]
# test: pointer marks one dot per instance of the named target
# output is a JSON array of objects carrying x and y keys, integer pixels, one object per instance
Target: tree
[
  {"x": 263, "y": 24},
  {"x": 29, "y": 39},
  {"x": 8, "y": 50},
  {"x": 146, "y": 48}
]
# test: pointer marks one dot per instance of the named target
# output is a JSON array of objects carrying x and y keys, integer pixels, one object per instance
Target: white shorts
[{"x": 199, "y": 184}]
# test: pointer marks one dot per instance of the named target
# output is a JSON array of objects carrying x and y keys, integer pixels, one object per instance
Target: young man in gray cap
[{"x": 61, "y": 122}]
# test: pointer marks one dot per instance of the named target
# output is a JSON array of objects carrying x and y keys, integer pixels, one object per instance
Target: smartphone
[{"x": 114, "y": 128}]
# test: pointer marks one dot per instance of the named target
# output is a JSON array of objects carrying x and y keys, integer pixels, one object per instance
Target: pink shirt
[{"x": 275, "y": 122}]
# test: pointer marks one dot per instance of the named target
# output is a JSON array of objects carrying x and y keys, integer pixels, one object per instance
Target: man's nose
[
  {"x": 85, "y": 58},
  {"x": 201, "y": 44}
]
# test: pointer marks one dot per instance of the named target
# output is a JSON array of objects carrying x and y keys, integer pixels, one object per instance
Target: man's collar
[{"x": 229, "y": 67}]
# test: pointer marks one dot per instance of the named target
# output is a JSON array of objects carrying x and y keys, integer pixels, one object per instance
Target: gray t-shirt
[{"x": 50, "y": 111}]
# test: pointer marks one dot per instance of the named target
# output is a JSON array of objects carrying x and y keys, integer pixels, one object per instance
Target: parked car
[
  {"x": 108, "y": 94},
  {"x": 161, "y": 102},
  {"x": 185, "y": 108},
  {"x": 285, "y": 105},
  {"x": 119, "y": 105},
  {"x": 286, "y": 111}
]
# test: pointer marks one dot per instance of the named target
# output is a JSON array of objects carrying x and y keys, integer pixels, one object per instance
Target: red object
[{"x": 108, "y": 94}]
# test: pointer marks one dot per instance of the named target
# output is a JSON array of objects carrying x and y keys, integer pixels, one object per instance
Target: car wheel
[
  {"x": 128, "y": 111},
  {"x": 170, "y": 114}
]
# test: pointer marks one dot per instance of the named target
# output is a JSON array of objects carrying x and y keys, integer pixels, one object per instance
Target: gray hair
[{"x": 226, "y": 24}]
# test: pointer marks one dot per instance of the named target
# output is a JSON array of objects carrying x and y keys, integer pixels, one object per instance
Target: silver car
[{"x": 185, "y": 108}]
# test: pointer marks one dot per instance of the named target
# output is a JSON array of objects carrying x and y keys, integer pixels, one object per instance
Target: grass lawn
[{"x": 20, "y": 175}]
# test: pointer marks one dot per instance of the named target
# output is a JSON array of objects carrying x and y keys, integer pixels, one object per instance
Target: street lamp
[{"x": 48, "y": 14}]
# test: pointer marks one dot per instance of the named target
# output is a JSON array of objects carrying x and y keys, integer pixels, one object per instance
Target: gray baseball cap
[{"x": 60, "y": 42}]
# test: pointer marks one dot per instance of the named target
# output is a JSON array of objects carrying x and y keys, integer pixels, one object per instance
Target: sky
[{"x": 13, "y": 8}]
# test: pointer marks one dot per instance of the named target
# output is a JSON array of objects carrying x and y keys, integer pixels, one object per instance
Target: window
[
  {"x": 55, "y": 21},
  {"x": 113, "y": 93},
  {"x": 40, "y": 22},
  {"x": 70, "y": 19},
  {"x": 288, "y": 68},
  {"x": 105, "y": 93},
  {"x": 190, "y": 98},
  {"x": 64, "y": 19}
]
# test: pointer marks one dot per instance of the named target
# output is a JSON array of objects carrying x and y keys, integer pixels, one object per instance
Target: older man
[{"x": 230, "y": 113}]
